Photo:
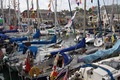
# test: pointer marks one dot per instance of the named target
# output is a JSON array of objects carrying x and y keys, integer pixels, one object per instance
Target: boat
[
  {"x": 21, "y": 39},
  {"x": 8, "y": 31},
  {"x": 81, "y": 44},
  {"x": 101, "y": 54},
  {"x": 107, "y": 69},
  {"x": 44, "y": 65},
  {"x": 89, "y": 38}
]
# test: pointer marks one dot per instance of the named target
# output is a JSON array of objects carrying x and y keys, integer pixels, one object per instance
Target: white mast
[
  {"x": 38, "y": 17},
  {"x": 28, "y": 14},
  {"x": 9, "y": 19},
  {"x": 19, "y": 13},
  {"x": 84, "y": 18},
  {"x": 112, "y": 15},
  {"x": 55, "y": 14}
]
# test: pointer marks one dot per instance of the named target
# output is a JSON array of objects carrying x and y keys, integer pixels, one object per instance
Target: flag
[
  {"x": 54, "y": 73},
  {"x": 77, "y": 2},
  {"x": 27, "y": 65},
  {"x": 112, "y": 38},
  {"x": 71, "y": 20},
  {"x": 91, "y": 1},
  {"x": 80, "y": 1},
  {"x": 66, "y": 76},
  {"x": 32, "y": 5},
  {"x": 74, "y": 15},
  {"x": 49, "y": 8},
  {"x": 113, "y": 29},
  {"x": 94, "y": 30},
  {"x": 92, "y": 8},
  {"x": 49, "y": 5}
]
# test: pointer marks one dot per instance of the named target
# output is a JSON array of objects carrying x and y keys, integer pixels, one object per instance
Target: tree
[
  {"x": 90, "y": 10},
  {"x": 81, "y": 9},
  {"x": 77, "y": 8}
]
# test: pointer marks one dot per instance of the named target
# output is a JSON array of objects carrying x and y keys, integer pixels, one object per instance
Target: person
[{"x": 60, "y": 62}]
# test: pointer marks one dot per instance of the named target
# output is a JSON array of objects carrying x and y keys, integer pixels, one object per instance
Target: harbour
[{"x": 72, "y": 44}]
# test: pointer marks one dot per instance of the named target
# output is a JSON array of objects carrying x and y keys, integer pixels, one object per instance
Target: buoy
[{"x": 34, "y": 71}]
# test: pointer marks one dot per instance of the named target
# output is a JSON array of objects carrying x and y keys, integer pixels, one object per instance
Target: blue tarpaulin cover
[
  {"x": 9, "y": 31},
  {"x": 3, "y": 36},
  {"x": 101, "y": 53},
  {"x": 67, "y": 58},
  {"x": 18, "y": 39},
  {"x": 34, "y": 49},
  {"x": 53, "y": 40},
  {"x": 37, "y": 34},
  {"x": 81, "y": 44}
]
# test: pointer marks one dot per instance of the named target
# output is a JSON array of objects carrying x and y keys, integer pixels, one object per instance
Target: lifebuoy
[{"x": 34, "y": 71}]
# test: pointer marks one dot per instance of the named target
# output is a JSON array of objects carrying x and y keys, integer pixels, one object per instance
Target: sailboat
[
  {"x": 99, "y": 40},
  {"x": 105, "y": 69}
]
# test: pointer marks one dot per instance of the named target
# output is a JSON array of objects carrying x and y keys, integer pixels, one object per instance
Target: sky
[{"x": 61, "y": 4}]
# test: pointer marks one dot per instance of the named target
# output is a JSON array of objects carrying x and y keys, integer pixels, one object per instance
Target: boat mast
[
  {"x": 106, "y": 11},
  {"x": 19, "y": 24},
  {"x": 9, "y": 19},
  {"x": 99, "y": 19},
  {"x": 71, "y": 15},
  {"x": 38, "y": 16},
  {"x": 84, "y": 18},
  {"x": 55, "y": 14},
  {"x": 2, "y": 13},
  {"x": 28, "y": 14},
  {"x": 15, "y": 17},
  {"x": 112, "y": 16}
]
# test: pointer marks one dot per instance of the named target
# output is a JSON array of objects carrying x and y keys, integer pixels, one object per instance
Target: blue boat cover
[
  {"x": 101, "y": 53},
  {"x": 37, "y": 34},
  {"x": 3, "y": 36},
  {"x": 21, "y": 47},
  {"x": 67, "y": 58},
  {"x": 18, "y": 39},
  {"x": 34, "y": 49},
  {"x": 10, "y": 31},
  {"x": 81, "y": 44},
  {"x": 53, "y": 40}
]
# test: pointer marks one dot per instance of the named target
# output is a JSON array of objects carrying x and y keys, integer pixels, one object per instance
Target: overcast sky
[{"x": 61, "y": 4}]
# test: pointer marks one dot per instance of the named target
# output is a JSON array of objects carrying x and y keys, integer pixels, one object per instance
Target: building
[{"x": 44, "y": 16}]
